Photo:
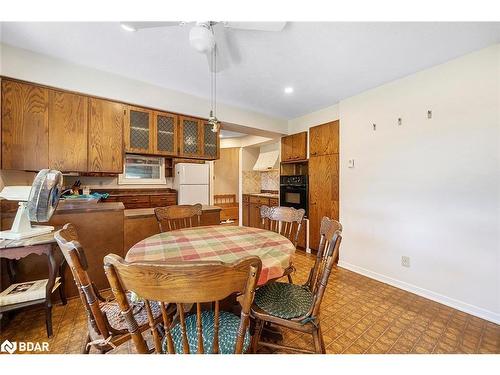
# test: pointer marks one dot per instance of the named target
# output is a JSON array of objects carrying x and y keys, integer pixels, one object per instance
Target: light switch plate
[{"x": 350, "y": 163}]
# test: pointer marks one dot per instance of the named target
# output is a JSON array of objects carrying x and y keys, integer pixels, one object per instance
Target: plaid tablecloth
[{"x": 218, "y": 242}]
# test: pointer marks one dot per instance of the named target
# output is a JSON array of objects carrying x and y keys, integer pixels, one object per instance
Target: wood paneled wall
[{"x": 226, "y": 172}]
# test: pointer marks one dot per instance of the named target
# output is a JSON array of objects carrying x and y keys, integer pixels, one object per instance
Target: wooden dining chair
[
  {"x": 106, "y": 327},
  {"x": 297, "y": 307},
  {"x": 206, "y": 331},
  {"x": 286, "y": 221},
  {"x": 178, "y": 217}
]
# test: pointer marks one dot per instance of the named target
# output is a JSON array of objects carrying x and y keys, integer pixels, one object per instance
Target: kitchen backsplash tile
[
  {"x": 270, "y": 180},
  {"x": 251, "y": 182},
  {"x": 255, "y": 181}
]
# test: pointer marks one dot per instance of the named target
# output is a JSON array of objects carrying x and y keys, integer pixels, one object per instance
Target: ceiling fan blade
[
  {"x": 149, "y": 25},
  {"x": 258, "y": 26}
]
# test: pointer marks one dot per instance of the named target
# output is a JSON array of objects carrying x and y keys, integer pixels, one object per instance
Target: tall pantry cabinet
[{"x": 323, "y": 177}]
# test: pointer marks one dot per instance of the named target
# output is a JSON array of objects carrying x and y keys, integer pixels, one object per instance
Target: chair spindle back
[
  {"x": 67, "y": 239},
  {"x": 286, "y": 221},
  {"x": 178, "y": 217},
  {"x": 328, "y": 251},
  {"x": 183, "y": 283}
]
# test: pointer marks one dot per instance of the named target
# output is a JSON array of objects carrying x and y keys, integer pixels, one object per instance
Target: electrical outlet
[{"x": 405, "y": 261}]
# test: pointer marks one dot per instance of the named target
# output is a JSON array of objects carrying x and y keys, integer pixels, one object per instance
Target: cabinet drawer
[
  {"x": 246, "y": 199},
  {"x": 259, "y": 200},
  {"x": 135, "y": 205},
  {"x": 273, "y": 202},
  {"x": 162, "y": 200},
  {"x": 135, "y": 201}
]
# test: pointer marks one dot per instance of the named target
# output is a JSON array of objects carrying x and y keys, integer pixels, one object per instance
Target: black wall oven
[{"x": 294, "y": 191}]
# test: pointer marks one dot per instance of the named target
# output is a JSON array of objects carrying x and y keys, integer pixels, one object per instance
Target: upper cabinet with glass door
[
  {"x": 139, "y": 136},
  {"x": 165, "y": 134},
  {"x": 211, "y": 142},
  {"x": 190, "y": 137},
  {"x": 151, "y": 132}
]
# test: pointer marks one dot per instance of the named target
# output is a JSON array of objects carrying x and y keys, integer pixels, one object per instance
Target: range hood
[{"x": 266, "y": 160}]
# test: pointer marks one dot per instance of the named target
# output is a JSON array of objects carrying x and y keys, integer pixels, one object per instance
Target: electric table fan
[{"x": 37, "y": 203}]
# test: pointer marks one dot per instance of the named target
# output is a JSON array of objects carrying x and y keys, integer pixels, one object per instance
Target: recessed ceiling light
[
  {"x": 127, "y": 27},
  {"x": 288, "y": 90}
]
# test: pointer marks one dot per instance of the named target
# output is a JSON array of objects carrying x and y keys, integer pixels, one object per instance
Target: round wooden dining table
[{"x": 218, "y": 242}]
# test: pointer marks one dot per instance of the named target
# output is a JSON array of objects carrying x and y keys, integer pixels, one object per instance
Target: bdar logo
[{"x": 9, "y": 347}]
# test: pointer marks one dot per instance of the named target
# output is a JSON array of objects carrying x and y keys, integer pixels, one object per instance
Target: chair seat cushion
[
  {"x": 116, "y": 320},
  {"x": 228, "y": 331},
  {"x": 284, "y": 300}
]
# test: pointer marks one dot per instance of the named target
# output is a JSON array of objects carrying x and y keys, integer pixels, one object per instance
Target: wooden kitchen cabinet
[
  {"x": 245, "y": 211},
  {"x": 141, "y": 198},
  {"x": 44, "y": 127},
  {"x": 25, "y": 126},
  {"x": 190, "y": 137},
  {"x": 150, "y": 132},
  {"x": 166, "y": 134},
  {"x": 323, "y": 193},
  {"x": 251, "y": 209},
  {"x": 105, "y": 149},
  {"x": 299, "y": 146},
  {"x": 294, "y": 147},
  {"x": 286, "y": 148},
  {"x": 68, "y": 131},
  {"x": 324, "y": 139},
  {"x": 254, "y": 219},
  {"x": 139, "y": 136},
  {"x": 163, "y": 200},
  {"x": 323, "y": 177}
]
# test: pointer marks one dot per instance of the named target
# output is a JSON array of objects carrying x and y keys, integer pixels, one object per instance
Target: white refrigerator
[{"x": 192, "y": 183}]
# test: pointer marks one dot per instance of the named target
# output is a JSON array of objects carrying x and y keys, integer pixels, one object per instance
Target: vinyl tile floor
[{"x": 358, "y": 315}]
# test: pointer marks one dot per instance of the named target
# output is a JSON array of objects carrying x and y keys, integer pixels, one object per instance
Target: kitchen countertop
[
  {"x": 264, "y": 195},
  {"x": 82, "y": 207},
  {"x": 9, "y": 208},
  {"x": 144, "y": 212},
  {"x": 128, "y": 193}
]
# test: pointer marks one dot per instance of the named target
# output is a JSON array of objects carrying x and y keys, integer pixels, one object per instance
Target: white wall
[
  {"x": 34, "y": 67},
  {"x": 429, "y": 189},
  {"x": 246, "y": 141},
  {"x": 249, "y": 156}
]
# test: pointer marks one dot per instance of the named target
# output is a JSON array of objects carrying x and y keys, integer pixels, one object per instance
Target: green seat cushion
[
  {"x": 228, "y": 331},
  {"x": 284, "y": 300}
]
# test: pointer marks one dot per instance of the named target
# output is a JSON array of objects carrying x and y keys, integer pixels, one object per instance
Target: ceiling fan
[{"x": 209, "y": 36}]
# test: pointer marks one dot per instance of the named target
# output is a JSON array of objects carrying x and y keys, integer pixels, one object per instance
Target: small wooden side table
[{"x": 41, "y": 245}]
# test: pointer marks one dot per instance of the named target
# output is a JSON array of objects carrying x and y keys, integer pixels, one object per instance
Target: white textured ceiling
[{"x": 324, "y": 62}]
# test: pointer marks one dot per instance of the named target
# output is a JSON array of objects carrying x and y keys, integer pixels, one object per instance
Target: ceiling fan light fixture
[
  {"x": 201, "y": 38},
  {"x": 212, "y": 120}
]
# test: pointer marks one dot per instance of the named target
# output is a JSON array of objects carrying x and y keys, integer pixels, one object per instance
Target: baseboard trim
[{"x": 451, "y": 302}]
